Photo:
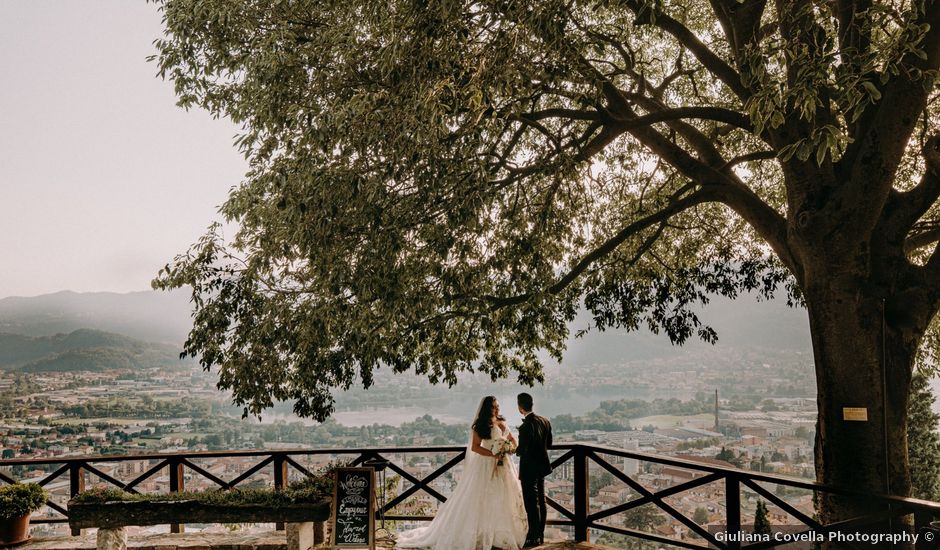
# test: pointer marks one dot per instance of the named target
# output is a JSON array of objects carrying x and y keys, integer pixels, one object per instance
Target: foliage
[
  {"x": 923, "y": 439},
  {"x": 643, "y": 518},
  {"x": 440, "y": 186},
  {"x": 311, "y": 490},
  {"x": 19, "y": 499},
  {"x": 761, "y": 522},
  {"x": 698, "y": 443},
  {"x": 598, "y": 482},
  {"x": 728, "y": 456},
  {"x": 700, "y": 516},
  {"x": 124, "y": 407}
]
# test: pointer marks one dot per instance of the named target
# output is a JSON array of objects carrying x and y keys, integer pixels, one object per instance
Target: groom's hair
[{"x": 525, "y": 401}]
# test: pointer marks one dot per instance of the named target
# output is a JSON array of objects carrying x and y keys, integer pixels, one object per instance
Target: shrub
[
  {"x": 308, "y": 491},
  {"x": 20, "y": 499}
]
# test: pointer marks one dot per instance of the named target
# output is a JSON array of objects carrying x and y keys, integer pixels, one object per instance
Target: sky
[{"x": 103, "y": 179}]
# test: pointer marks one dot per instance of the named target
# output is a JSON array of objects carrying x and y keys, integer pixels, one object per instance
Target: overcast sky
[{"x": 103, "y": 179}]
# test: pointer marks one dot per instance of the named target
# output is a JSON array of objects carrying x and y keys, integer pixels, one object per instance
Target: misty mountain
[
  {"x": 82, "y": 349},
  {"x": 165, "y": 317},
  {"x": 744, "y": 323},
  {"x": 147, "y": 315}
]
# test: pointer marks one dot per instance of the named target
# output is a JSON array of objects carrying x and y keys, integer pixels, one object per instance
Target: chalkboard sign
[{"x": 354, "y": 508}]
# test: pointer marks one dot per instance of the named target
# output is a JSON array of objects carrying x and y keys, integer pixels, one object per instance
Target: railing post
[
  {"x": 733, "y": 510},
  {"x": 177, "y": 485},
  {"x": 922, "y": 519},
  {"x": 76, "y": 485},
  {"x": 582, "y": 494},
  {"x": 280, "y": 480}
]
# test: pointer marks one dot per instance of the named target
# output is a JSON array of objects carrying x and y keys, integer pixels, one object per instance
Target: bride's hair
[{"x": 483, "y": 425}]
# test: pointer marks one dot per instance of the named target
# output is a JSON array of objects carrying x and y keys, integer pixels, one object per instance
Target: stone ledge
[{"x": 269, "y": 540}]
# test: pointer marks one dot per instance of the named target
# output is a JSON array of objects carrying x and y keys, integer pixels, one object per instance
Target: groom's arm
[{"x": 523, "y": 439}]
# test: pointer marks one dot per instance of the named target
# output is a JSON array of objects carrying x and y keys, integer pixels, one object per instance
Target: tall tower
[{"x": 716, "y": 410}]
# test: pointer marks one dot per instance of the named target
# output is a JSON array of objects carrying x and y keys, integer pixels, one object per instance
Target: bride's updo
[{"x": 483, "y": 425}]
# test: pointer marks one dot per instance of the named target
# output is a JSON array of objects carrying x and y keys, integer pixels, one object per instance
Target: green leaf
[
  {"x": 872, "y": 90},
  {"x": 821, "y": 150}
]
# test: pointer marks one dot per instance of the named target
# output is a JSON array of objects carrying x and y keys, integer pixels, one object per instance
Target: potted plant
[{"x": 17, "y": 502}]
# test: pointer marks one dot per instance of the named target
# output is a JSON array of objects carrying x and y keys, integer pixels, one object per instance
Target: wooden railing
[{"x": 575, "y": 458}]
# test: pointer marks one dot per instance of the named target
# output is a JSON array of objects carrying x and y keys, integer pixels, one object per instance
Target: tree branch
[
  {"x": 748, "y": 157},
  {"x": 679, "y": 205},
  {"x": 617, "y": 126},
  {"x": 740, "y": 21},
  {"x": 549, "y": 135},
  {"x": 804, "y": 41},
  {"x": 704, "y": 146},
  {"x": 572, "y": 114},
  {"x": 902, "y": 210},
  {"x": 648, "y": 15},
  {"x": 717, "y": 114},
  {"x": 768, "y": 223},
  {"x": 881, "y": 143},
  {"x": 854, "y": 40},
  {"x": 932, "y": 270},
  {"x": 921, "y": 239}
]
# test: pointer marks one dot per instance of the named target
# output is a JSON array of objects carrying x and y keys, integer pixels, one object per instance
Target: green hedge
[
  {"x": 20, "y": 499},
  {"x": 308, "y": 491}
]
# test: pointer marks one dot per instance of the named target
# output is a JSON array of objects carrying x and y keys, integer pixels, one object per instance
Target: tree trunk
[{"x": 859, "y": 353}]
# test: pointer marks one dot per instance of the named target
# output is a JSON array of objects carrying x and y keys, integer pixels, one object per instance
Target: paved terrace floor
[{"x": 273, "y": 540}]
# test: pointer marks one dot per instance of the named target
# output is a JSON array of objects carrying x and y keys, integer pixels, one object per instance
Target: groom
[{"x": 535, "y": 436}]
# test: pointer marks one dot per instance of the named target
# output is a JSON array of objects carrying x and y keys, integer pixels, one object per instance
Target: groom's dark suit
[{"x": 535, "y": 436}]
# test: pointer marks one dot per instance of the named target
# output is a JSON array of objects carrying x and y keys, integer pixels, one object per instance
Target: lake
[{"x": 456, "y": 407}]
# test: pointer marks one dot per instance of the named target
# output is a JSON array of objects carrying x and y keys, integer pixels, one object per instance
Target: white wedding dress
[{"x": 485, "y": 511}]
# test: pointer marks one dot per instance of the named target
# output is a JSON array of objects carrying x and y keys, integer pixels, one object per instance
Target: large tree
[{"x": 440, "y": 185}]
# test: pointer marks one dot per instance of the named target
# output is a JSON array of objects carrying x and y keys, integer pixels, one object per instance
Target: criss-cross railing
[
  {"x": 572, "y": 462},
  {"x": 890, "y": 510}
]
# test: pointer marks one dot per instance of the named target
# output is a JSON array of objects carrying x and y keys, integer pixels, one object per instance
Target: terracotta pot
[{"x": 14, "y": 530}]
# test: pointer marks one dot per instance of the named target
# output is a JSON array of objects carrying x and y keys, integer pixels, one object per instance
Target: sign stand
[
  {"x": 353, "y": 515},
  {"x": 380, "y": 464}
]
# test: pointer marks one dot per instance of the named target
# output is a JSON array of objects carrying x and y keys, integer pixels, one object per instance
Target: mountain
[
  {"x": 744, "y": 323},
  {"x": 147, "y": 315},
  {"x": 83, "y": 349},
  {"x": 165, "y": 317}
]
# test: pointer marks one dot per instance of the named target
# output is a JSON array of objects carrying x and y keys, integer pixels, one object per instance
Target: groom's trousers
[{"x": 533, "y": 496}]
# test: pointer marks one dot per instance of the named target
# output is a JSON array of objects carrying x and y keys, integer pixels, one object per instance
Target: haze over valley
[
  {"x": 69, "y": 331},
  {"x": 99, "y": 374}
]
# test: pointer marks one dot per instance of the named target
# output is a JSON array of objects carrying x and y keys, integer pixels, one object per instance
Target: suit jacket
[{"x": 535, "y": 437}]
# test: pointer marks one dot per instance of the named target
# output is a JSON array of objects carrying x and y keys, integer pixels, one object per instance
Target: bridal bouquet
[{"x": 501, "y": 449}]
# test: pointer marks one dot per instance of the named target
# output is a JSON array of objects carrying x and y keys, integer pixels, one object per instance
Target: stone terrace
[{"x": 273, "y": 540}]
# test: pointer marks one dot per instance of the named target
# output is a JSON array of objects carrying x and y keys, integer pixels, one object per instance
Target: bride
[{"x": 486, "y": 510}]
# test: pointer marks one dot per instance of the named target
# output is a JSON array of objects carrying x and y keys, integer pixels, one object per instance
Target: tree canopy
[{"x": 441, "y": 185}]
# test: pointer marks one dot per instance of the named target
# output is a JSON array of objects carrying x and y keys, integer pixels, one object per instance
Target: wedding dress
[{"x": 485, "y": 511}]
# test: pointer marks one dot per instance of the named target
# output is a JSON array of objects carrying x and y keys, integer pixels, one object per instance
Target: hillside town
[{"x": 48, "y": 416}]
